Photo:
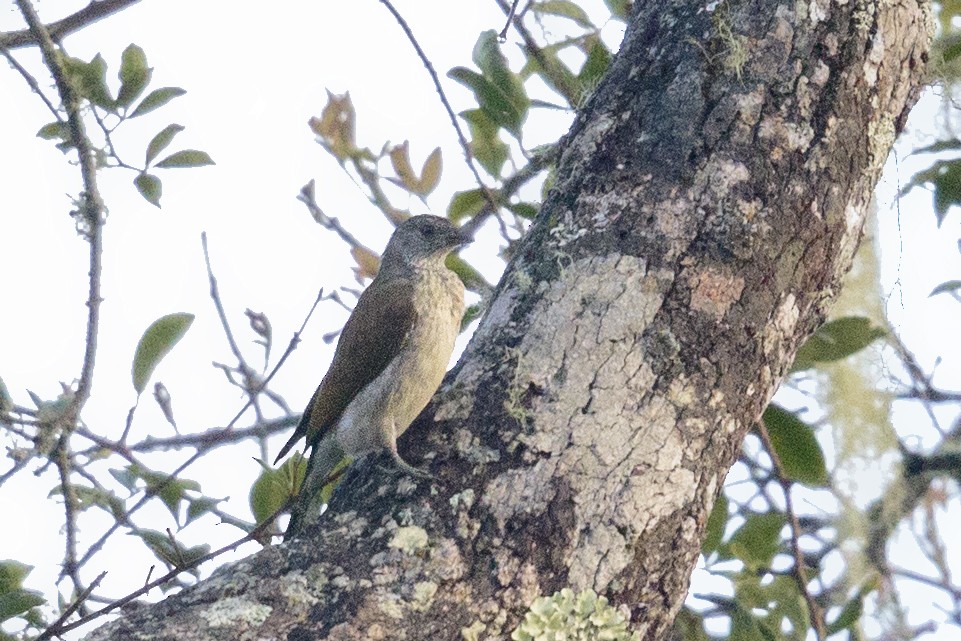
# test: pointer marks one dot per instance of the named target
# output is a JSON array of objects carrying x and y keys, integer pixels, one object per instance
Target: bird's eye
[{"x": 429, "y": 232}]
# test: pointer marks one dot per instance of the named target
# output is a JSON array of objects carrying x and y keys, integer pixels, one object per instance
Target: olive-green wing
[{"x": 372, "y": 337}]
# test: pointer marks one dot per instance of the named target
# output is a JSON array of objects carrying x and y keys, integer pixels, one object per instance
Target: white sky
[{"x": 254, "y": 74}]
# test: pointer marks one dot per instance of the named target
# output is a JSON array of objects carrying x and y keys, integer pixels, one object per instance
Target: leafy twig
[
  {"x": 294, "y": 341},
  {"x": 488, "y": 194},
  {"x": 815, "y": 614},
  {"x": 91, "y": 204}
]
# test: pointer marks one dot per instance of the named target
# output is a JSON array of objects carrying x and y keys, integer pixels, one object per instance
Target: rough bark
[{"x": 708, "y": 200}]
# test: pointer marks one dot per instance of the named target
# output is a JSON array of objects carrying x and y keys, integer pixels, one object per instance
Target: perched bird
[{"x": 389, "y": 361}]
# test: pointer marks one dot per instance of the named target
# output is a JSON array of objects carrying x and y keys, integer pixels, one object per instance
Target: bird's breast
[{"x": 394, "y": 398}]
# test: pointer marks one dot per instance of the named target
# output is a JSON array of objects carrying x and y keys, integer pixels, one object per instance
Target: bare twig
[
  {"x": 96, "y": 10},
  {"x": 73, "y": 607},
  {"x": 306, "y": 196},
  {"x": 815, "y": 613},
  {"x": 510, "y": 18},
  {"x": 70, "y": 567},
  {"x": 34, "y": 86},
  {"x": 215, "y": 296}
]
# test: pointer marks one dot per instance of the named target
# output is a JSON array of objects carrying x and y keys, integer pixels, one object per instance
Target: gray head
[{"x": 423, "y": 239}]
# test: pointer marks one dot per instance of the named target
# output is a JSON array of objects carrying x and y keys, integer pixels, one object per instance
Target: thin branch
[
  {"x": 96, "y": 10},
  {"x": 34, "y": 86},
  {"x": 215, "y": 295},
  {"x": 83, "y": 596},
  {"x": 800, "y": 572},
  {"x": 306, "y": 196},
  {"x": 510, "y": 18},
  {"x": 91, "y": 204},
  {"x": 214, "y": 438},
  {"x": 512, "y": 184},
  {"x": 70, "y": 566},
  {"x": 488, "y": 194}
]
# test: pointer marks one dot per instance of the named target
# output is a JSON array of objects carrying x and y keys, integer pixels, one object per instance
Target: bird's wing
[{"x": 372, "y": 337}]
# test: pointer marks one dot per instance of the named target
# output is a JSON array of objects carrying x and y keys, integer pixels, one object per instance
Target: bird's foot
[{"x": 406, "y": 467}]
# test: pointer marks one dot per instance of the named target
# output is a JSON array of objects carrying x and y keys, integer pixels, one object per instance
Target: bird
[{"x": 390, "y": 359}]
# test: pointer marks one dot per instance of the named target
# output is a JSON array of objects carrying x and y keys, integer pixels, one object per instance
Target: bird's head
[{"x": 423, "y": 239}]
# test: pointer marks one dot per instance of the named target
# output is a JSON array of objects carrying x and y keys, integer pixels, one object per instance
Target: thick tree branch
[
  {"x": 704, "y": 211},
  {"x": 93, "y": 12}
]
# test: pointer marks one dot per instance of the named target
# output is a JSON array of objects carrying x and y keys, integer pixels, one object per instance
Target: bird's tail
[{"x": 325, "y": 465}]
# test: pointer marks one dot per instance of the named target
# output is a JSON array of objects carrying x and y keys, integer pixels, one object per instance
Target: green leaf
[
  {"x": 126, "y": 476},
  {"x": 555, "y": 74},
  {"x": 149, "y": 187},
  {"x": 789, "y": 604},
  {"x": 162, "y": 546},
  {"x": 6, "y": 401},
  {"x": 88, "y": 497},
  {"x": 945, "y": 178},
  {"x": 493, "y": 65},
  {"x": 170, "y": 491},
  {"x": 524, "y": 210},
  {"x": 471, "y": 313},
  {"x": 836, "y": 340},
  {"x": 17, "y": 602},
  {"x": 946, "y": 287},
  {"x": 12, "y": 574},
  {"x": 852, "y": 610},
  {"x": 746, "y": 627},
  {"x": 472, "y": 279},
  {"x": 486, "y": 145},
  {"x": 594, "y": 68},
  {"x": 796, "y": 446},
  {"x": 155, "y": 343},
  {"x": 952, "y": 52},
  {"x": 620, "y": 9},
  {"x": 689, "y": 626},
  {"x": 198, "y": 507},
  {"x": 186, "y": 158},
  {"x": 156, "y": 99},
  {"x": 270, "y": 492},
  {"x": 465, "y": 204},
  {"x": 758, "y": 540},
  {"x": 564, "y": 9},
  {"x": 134, "y": 75},
  {"x": 90, "y": 80},
  {"x": 716, "y": 522},
  {"x": 54, "y": 131},
  {"x": 161, "y": 141},
  {"x": 491, "y": 99},
  {"x": 430, "y": 173}
]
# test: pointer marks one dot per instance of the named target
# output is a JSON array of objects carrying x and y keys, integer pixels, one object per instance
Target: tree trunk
[{"x": 709, "y": 198}]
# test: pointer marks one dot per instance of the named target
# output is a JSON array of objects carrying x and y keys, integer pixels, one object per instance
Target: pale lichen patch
[
  {"x": 788, "y": 136},
  {"x": 423, "y": 596},
  {"x": 785, "y": 319},
  {"x": 228, "y": 612},
  {"x": 874, "y": 58},
  {"x": 409, "y": 539}
]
